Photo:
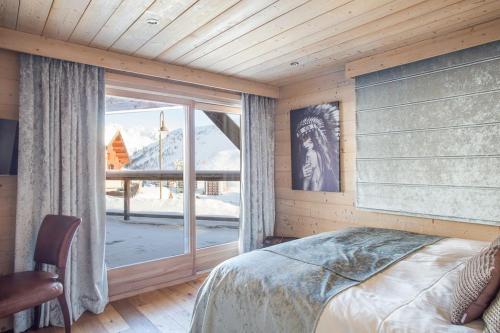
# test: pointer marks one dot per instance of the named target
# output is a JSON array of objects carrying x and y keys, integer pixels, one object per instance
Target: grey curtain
[
  {"x": 257, "y": 170},
  {"x": 62, "y": 171}
]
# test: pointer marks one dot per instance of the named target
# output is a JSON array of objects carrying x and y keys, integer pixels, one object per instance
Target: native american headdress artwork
[
  {"x": 319, "y": 124},
  {"x": 323, "y": 117}
]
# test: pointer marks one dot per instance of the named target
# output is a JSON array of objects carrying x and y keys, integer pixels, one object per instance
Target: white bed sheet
[{"x": 413, "y": 295}]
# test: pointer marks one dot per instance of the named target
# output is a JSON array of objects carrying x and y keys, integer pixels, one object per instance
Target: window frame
[{"x": 133, "y": 279}]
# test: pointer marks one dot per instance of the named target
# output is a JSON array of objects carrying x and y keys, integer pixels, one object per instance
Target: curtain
[
  {"x": 257, "y": 171},
  {"x": 62, "y": 171}
]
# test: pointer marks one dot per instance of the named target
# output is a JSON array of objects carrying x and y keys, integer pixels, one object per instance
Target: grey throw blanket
[{"x": 284, "y": 288}]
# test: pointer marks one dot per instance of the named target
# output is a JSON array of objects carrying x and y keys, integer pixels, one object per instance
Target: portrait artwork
[{"x": 315, "y": 140}]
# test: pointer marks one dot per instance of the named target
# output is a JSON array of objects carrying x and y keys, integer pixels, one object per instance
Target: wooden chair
[{"x": 24, "y": 290}]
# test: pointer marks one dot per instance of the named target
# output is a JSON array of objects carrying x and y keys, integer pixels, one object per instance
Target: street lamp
[{"x": 163, "y": 128}]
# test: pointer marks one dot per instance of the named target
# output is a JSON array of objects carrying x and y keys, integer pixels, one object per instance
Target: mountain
[
  {"x": 135, "y": 138},
  {"x": 213, "y": 151}
]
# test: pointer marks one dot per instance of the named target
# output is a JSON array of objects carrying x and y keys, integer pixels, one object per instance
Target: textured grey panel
[
  {"x": 428, "y": 137},
  {"x": 470, "y": 79},
  {"x": 442, "y": 112},
  {"x": 461, "y": 141},
  {"x": 479, "y": 53},
  {"x": 435, "y": 171},
  {"x": 454, "y": 202}
]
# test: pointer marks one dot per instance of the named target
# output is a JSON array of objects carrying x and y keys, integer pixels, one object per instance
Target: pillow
[
  {"x": 491, "y": 316},
  {"x": 477, "y": 285}
]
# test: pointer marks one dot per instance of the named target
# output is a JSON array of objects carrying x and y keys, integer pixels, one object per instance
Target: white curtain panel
[
  {"x": 257, "y": 171},
  {"x": 62, "y": 171}
]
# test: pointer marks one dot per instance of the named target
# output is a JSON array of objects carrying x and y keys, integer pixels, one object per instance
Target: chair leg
[
  {"x": 65, "y": 312},
  {"x": 38, "y": 316}
]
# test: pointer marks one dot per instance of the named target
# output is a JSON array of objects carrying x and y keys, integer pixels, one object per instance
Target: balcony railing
[{"x": 166, "y": 175}]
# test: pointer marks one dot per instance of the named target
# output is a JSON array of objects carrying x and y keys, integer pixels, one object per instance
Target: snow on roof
[{"x": 110, "y": 133}]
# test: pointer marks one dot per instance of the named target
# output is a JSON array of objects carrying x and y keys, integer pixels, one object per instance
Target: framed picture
[{"x": 315, "y": 140}]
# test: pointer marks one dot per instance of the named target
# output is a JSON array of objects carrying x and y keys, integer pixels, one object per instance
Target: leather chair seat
[{"x": 23, "y": 290}]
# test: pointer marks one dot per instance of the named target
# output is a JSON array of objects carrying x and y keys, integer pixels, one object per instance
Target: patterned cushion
[
  {"x": 491, "y": 316},
  {"x": 478, "y": 284}
]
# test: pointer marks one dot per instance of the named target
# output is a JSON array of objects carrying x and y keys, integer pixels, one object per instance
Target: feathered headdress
[{"x": 323, "y": 117}]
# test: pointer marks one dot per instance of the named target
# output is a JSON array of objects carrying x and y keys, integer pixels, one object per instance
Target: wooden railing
[{"x": 130, "y": 175}]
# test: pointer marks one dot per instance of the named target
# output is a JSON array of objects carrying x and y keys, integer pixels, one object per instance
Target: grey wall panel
[
  {"x": 459, "y": 58},
  {"x": 428, "y": 137},
  {"x": 458, "y": 81},
  {"x": 434, "y": 171},
  {"x": 443, "y": 113},
  {"x": 461, "y": 141},
  {"x": 460, "y": 203}
]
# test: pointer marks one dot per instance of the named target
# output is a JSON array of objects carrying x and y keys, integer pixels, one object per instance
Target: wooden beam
[
  {"x": 145, "y": 95},
  {"x": 227, "y": 126},
  {"x": 39, "y": 45},
  {"x": 455, "y": 41},
  {"x": 217, "y": 108},
  {"x": 163, "y": 87}
]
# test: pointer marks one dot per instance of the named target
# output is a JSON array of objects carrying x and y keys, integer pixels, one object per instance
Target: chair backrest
[{"x": 54, "y": 239}]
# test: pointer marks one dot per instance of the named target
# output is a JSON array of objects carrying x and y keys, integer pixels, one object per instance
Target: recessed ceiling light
[
  {"x": 152, "y": 21},
  {"x": 294, "y": 63}
]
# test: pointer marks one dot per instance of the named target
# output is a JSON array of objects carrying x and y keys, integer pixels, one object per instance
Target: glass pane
[
  {"x": 217, "y": 156},
  {"x": 154, "y": 227}
]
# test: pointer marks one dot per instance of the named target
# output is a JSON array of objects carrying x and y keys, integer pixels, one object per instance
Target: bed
[
  {"x": 413, "y": 295},
  {"x": 407, "y": 286}
]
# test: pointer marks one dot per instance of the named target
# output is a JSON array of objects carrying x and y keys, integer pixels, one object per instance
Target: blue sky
[{"x": 174, "y": 118}]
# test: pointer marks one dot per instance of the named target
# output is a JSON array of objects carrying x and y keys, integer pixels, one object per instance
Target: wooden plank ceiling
[{"x": 272, "y": 41}]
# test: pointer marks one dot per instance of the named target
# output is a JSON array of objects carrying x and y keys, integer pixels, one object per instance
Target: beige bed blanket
[{"x": 414, "y": 295}]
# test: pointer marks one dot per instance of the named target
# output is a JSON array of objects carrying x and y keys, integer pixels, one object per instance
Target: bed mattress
[{"x": 413, "y": 295}]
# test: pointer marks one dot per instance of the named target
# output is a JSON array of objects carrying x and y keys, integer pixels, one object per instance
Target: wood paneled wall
[
  {"x": 300, "y": 213},
  {"x": 9, "y": 109}
]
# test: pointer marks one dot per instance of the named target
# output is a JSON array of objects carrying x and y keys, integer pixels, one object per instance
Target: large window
[
  {"x": 217, "y": 154},
  {"x": 145, "y": 214},
  {"x": 147, "y": 195}
]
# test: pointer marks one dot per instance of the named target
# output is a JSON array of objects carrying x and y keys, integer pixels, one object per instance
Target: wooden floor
[{"x": 164, "y": 310}]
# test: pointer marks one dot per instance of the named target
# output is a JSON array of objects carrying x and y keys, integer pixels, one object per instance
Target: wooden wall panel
[
  {"x": 300, "y": 213},
  {"x": 428, "y": 48},
  {"x": 53, "y": 48},
  {"x": 9, "y": 109},
  {"x": 258, "y": 40}
]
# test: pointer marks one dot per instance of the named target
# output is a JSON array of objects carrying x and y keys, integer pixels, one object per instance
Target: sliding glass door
[
  {"x": 145, "y": 181},
  {"x": 217, "y": 154},
  {"x": 172, "y": 189}
]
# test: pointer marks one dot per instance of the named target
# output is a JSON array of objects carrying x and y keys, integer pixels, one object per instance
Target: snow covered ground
[
  {"x": 143, "y": 239},
  {"x": 148, "y": 200}
]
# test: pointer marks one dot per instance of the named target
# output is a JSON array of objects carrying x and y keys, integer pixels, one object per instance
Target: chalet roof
[{"x": 117, "y": 144}]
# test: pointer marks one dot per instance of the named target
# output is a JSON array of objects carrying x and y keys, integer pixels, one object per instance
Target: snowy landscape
[
  {"x": 144, "y": 238},
  {"x": 213, "y": 152},
  {"x": 147, "y": 201}
]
